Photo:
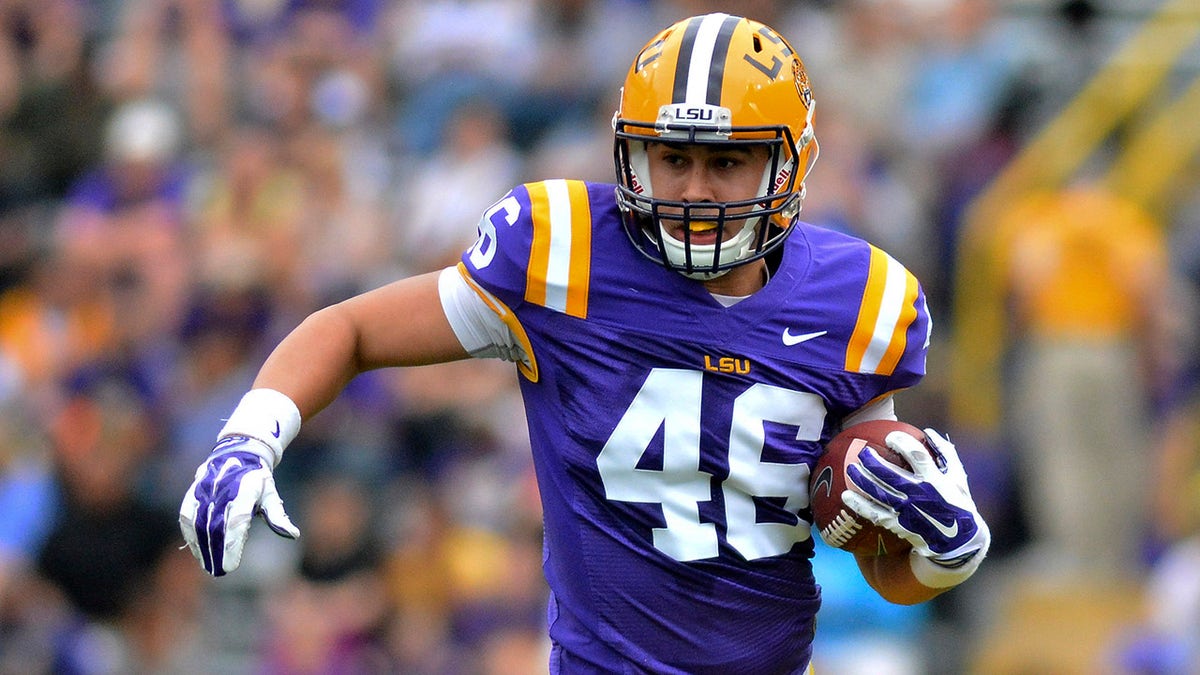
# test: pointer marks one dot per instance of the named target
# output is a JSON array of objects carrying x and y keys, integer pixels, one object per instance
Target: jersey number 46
[{"x": 669, "y": 400}]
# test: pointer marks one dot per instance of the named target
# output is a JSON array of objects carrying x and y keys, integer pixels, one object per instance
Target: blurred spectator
[
  {"x": 331, "y": 618},
  {"x": 445, "y": 194},
  {"x": 222, "y": 334},
  {"x": 247, "y": 222},
  {"x": 1167, "y": 639},
  {"x": 864, "y": 64},
  {"x": 50, "y": 113},
  {"x": 419, "y": 636},
  {"x": 343, "y": 231},
  {"x": 965, "y": 86},
  {"x": 24, "y": 499},
  {"x": 104, "y": 590},
  {"x": 126, "y": 220},
  {"x": 54, "y": 321},
  {"x": 50, "y": 108},
  {"x": 1088, "y": 283},
  {"x": 470, "y": 570},
  {"x": 316, "y": 70},
  {"x": 857, "y": 190},
  {"x": 435, "y": 74},
  {"x": 961, "y": 71},
  {"x": 176, "y": 50},
  {"x": 580, "y": 46}
]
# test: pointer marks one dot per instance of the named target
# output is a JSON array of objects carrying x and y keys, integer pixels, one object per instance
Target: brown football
[{"x": 839, "y": 526}]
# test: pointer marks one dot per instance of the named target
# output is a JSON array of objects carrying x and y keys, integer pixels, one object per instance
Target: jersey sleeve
[
  {"x": 497, "y": 261},
  {"x": 479, "y": 328},
  {"x": 534, "y": 247},
  {"x": 892, "y": 332},
  {"x": 533, "y": 250}
]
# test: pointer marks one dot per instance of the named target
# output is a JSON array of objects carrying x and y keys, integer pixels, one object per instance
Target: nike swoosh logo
[
  {"x": 277, "y": 430},
  {"x": 825, "y": 479},
  {"x": 948, "y": 532},
  {"x": 789, "y": 339}
]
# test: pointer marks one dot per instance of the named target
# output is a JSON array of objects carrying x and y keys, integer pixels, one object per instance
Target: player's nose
[{"x": 698, "y": 185}]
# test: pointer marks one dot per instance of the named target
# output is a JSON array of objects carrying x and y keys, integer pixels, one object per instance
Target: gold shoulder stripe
[
  {"x": 888, "y": 309},
  {"x": 868, "y": 313},
  {"x": 560, "y": 256},
  {"x": 527, "y": 367}
]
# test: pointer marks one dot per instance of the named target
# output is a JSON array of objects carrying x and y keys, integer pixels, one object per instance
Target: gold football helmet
[{"x": 715, "y": 79}]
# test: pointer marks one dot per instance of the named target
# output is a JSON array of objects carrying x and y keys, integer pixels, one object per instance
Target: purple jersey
[{"x": 673, "y": 437}]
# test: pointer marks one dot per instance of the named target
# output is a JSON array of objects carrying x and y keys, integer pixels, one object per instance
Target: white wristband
[
  {"x": 265, "y": 415},
  {"x": 934, "y": 575}
]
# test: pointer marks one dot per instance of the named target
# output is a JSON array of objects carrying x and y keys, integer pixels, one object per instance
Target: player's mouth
[{"x": 698, "y": 231}]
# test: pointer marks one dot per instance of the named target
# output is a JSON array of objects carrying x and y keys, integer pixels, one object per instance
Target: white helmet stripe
[{"x": 709, "y": 45}]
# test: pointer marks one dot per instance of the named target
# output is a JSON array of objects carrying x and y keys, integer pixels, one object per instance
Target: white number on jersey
[
  {"x": 484, "y": 249},
  {"x": 670, "y": 399}
]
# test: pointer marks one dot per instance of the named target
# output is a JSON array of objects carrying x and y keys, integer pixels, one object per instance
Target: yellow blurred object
[
  {"x": 1058, "y": 629},
  {"x": 1077, "y": 262},
  {"x": 1127, "y": 94}
]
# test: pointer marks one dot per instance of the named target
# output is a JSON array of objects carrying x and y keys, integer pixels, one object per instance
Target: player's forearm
[
  {"x": 314, "y": 362},
  {"x": 400, "y": 324},
  {"x": 892, "y": 578}
]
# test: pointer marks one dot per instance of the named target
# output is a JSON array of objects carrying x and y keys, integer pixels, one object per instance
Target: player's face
[{"x": 705, "y": 173}]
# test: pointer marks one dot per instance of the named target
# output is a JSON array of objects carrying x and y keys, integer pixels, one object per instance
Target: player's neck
[{"x": 740, "y": 281}]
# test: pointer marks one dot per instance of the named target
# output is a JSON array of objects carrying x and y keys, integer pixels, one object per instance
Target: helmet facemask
[{"x": 765, "y": 218}]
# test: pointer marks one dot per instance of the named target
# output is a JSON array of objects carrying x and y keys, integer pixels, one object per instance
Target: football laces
[{"x": 841, "y": 530}]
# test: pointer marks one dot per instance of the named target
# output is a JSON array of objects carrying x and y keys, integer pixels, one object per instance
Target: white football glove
[
  {"x": 233, "y": 485},
  {"x": 930, "y": 507}
]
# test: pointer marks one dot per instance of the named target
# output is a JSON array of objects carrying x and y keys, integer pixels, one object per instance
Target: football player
[{"x": 685, "y": 346}]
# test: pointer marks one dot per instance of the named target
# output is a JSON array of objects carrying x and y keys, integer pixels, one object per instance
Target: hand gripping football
[{"x": 840, "y": 526}]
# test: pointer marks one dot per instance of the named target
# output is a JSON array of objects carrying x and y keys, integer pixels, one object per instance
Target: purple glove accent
[
  {"x": 920, "y": 507},
  {"x": 214, "y": 491}
]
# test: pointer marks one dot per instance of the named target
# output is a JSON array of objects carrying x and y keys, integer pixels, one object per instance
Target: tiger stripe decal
[
  {"x": 561, "y": 252},
  {"x": 888, "y": 309}
]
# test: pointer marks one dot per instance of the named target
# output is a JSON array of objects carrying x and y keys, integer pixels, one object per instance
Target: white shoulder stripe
[
  {"x": 558, "y": 268},
  {"x": 892, "y": 303}
]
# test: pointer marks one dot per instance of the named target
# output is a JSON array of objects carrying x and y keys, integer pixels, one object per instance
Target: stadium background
[{"x": 181, "y": 181}]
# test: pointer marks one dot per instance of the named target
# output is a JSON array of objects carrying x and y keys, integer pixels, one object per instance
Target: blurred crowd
[{"x": 182, "y": 181}]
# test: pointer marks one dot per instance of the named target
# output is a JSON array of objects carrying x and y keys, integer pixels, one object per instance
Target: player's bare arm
[{"x": 400, "y": 324}]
